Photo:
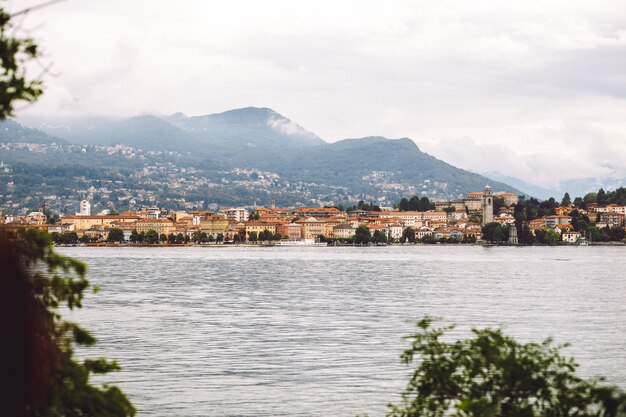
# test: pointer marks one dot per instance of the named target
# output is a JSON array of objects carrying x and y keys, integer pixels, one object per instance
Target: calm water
[{"x": 318, "y": 331}]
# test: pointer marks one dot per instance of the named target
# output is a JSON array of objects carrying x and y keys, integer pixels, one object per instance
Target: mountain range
[{"x": 261, "y": 139}]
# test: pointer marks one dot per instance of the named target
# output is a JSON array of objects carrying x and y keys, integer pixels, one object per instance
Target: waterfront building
[
  {"x": 570, "y": 237},
  {"x": 424, "y": 231},
  {"x": 395, "y": 230},
  {"x": 161, "y": 226},
  {"x": 86, "y": 222},
  {"x": 311, "y": 227},
  {"x": 344, "y": 231},
  {"x": 292, "y": 231},
  {"x": 258, "y": 227},
  {"x": 213, "y": 225}
]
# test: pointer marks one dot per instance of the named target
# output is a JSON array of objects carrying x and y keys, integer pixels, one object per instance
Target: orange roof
[
  {"x": 101, "y": 216},
  {"x": 155, "y": 221},
  {"x": 260, "y": 223},
  {"x": 317, "y": 210}
]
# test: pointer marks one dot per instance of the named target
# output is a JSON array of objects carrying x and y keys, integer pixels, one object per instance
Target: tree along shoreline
[{"x": 356, "y": 245}]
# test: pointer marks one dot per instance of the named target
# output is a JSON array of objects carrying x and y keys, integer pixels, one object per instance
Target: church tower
[{"x": 487, "y": 205}]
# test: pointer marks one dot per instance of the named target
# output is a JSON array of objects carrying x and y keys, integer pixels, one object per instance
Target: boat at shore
[{"x": 301, "y": 242}]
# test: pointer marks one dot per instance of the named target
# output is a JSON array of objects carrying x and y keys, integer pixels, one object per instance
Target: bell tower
[{"x": 487, "y": 205}]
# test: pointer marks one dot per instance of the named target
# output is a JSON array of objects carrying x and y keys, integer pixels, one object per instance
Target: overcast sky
[{"x": 530, "y": 89}]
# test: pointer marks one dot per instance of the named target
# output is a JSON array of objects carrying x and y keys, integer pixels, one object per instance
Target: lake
[{"x": 296, "y": 331}]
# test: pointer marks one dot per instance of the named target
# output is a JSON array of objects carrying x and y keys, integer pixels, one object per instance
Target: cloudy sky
[{"x": 534, "y": 90}]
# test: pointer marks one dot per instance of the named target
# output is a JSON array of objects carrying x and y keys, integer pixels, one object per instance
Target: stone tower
[
  {"x": 487, "y": 205},
  {"x": 272, "y": 204},
  {"x": 513, "y": 235}
]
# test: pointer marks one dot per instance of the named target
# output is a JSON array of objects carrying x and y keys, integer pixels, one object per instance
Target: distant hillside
[
  {"x": 348, "y": 161},
  {"x": 13, "y": 132},
  {"x": 260, "y": 138}
]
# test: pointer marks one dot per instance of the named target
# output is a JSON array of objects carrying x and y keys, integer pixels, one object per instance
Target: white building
[
  {"x": 85, "y": 208},
  {"x": 570, "y": 237},
  {"x": 236, "y": 215}
]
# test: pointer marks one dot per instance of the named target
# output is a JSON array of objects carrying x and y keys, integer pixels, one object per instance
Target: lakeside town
[{"x": 483, "y": 216}]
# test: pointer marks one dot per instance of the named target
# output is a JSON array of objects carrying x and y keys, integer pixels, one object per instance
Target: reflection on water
[{"x": 318, "y": 331}]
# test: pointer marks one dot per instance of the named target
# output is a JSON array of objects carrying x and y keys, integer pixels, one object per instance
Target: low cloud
[{"x": 539, "y": 88}]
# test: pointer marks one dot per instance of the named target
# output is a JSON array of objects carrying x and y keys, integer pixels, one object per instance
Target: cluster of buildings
[
  {"x": 450, "y": 219},
  {"x": 610, "y": 215}
]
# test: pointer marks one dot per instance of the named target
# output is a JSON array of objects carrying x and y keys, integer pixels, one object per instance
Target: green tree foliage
[
  {"x": 578, "y": 202},
  {"x": 589, "y": 198},
  {"x": 408, "y": 235},
  {"x": 416, "y": 204},
  {"x": 601, "y": 197},
  {"x": 580, "y": 223},
  {"x": 134, "y": 236},
  {"x": 498, "y": 203},
  {"x": 492, "y": 232},
  {"x": 253, "y": 237},
  {"x": 362, "y": 205},
  {"x": 468, "y": 239},
  {"x": 547, "y": 237},
  {"x": 616, "y": 234},
  {"x": 597, "y": 235},
  {"x": 14, "y": 53},
  {"x": 116, "y": 235},
  {"x": 362, "y": 235},
  {"x": 566, "y": 201},
  {"x": 151, "y": 237},
  {"x": 40, "y": 375},
  {"x": 426, "y": 204},
  {"x": 65, "y": 238},
  {"x": 493, "y": 375},
  {"x": 429, "y": 239},
  {"x": 403, "y": 205},
  {"x": 379, "y": 237}
]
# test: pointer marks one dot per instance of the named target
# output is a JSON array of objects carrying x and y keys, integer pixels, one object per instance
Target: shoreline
[{"x": 247, "y": 245}]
